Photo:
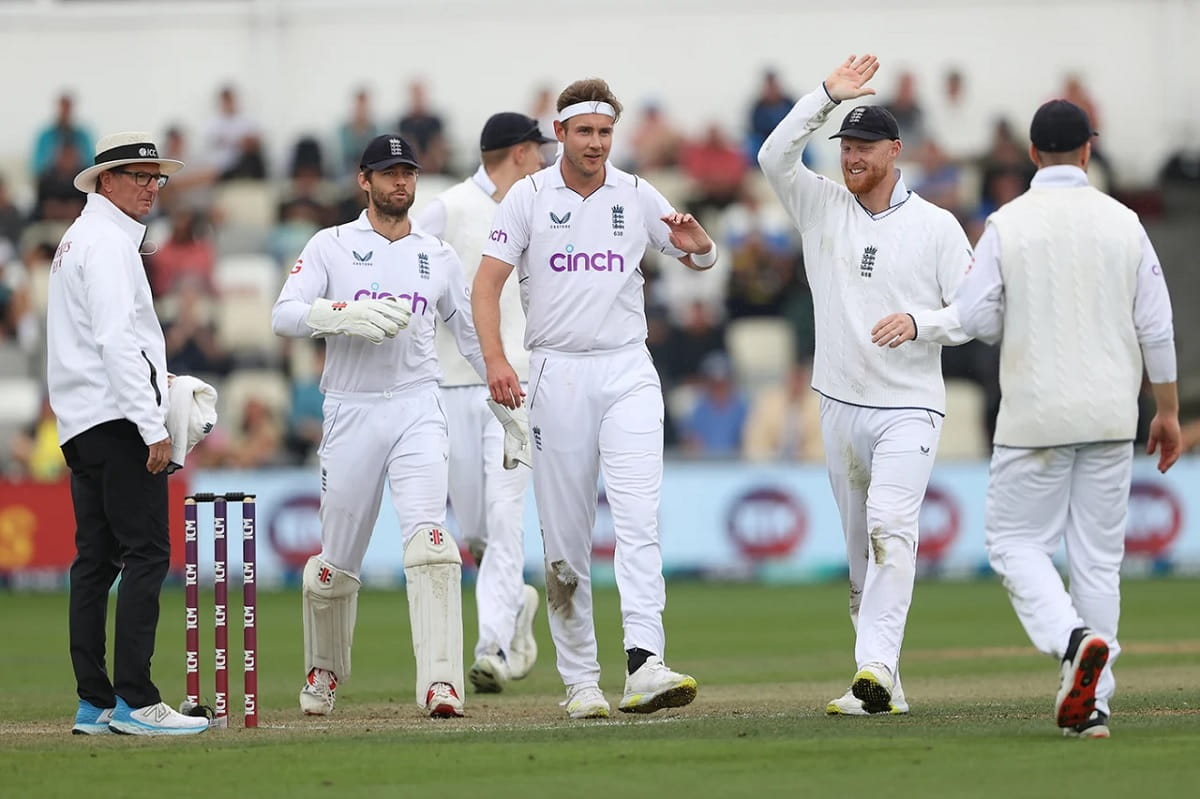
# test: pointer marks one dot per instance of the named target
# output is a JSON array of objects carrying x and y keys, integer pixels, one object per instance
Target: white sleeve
[
  {"x": 654, "y": 207},
  {"x": 803, "y": 192},
  {"x": 109, "y": 289},
  {"x": 942, "y": 325},
  {"x": 307, "y": 281},
  {"x": 432, "y": 218},
  {"x": 454, "y": 307},
  {"x": 1152, "y": 317},
  {"x": 980, "y": 296},
  {"x": 509, "y": 237}
]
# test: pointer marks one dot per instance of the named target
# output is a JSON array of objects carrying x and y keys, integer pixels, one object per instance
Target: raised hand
[
  {"x": 849, "y": 80},
  {"x": 687, "y": 234}
]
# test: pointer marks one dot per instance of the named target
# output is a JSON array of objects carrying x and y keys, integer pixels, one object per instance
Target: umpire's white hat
[{"x": 118, "y": 149}]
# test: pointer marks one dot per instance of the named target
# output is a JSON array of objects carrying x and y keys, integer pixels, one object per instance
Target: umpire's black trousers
[{"x": 121, "y": 527}]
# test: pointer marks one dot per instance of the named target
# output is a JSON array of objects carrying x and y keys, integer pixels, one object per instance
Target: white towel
[{"x": 191, "y": 415}]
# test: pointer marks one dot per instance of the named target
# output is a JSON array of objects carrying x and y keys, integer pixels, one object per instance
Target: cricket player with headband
[
  {"x": 576, "y": 233},
  {"x": 372, "y": 288},
  {"x": 872, "y": 248},
  {"x": 488, "y": 482},
  {"x": 1066, "y": 280}
]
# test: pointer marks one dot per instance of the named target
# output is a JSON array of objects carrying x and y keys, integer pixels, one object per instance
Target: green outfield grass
[{"x": 767, "y": 658}]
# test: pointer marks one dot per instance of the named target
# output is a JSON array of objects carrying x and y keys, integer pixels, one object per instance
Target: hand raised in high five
[
  {"x": 687, "y": 234},
  {"x": 849, "y": 80}
]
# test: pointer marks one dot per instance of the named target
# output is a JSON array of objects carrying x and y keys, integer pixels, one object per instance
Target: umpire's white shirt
[
  {"x": 354, "y": 262},
  {"x": 1070, "y": 280},
  {"x": 861, "y": 267},
  {"x": 106, "y": 356},
  {"x": 579, "y": 259},
  {"x": 462, "y": 216}
]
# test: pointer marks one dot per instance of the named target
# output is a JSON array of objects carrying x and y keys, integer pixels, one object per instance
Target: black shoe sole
[{"x": 875, "y": 698}]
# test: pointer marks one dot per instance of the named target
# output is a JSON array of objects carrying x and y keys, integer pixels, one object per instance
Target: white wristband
[{"x": 705, "y": 260}]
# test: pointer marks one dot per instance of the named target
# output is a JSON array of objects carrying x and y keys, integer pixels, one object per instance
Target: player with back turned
[
  {"x": 372, "y": 288},
  {"x": 883, "y": 263}
]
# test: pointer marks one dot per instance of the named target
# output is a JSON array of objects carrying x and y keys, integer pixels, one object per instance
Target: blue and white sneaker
[
  {"x": 91, "y": 720},
  {"x": 160, "y": 719}
]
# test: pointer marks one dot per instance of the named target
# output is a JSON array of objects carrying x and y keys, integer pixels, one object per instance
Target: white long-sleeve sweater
[{"x": 862, "y": 267}]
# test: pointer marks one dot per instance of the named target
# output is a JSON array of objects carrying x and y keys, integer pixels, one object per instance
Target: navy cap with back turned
[
  {"x": 869, "y": 122},
  {"x": 386, "y": 151},
  {"x": 508, "y": 128},
  {"x": 1060, "y": 126}
]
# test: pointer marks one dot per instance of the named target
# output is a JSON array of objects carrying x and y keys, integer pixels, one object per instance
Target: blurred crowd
[{"x": 733, "y": 345}]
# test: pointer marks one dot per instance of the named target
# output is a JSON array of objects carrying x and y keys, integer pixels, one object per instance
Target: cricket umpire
[
  {"x": 107, "y": 375},
  {"x": 1067, "y": 281}
]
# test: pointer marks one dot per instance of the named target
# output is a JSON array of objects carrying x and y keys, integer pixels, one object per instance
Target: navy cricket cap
[
  {"x": 870, "y": 123},
  {"x": 1060, "y": 126},
  {"x": 388, "y": 150},
  {"x": 508, "y": 128}
]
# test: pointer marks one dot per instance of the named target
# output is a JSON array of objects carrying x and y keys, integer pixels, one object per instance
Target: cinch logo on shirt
[
  {"x": 499, "y": 235},
  {"x": 571, "y": 261},
  {"x": 373, "y": 293}
]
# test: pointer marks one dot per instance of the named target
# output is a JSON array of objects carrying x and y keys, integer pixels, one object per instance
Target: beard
[
  {"x": 385, "y": 207},
  {"x": 866, "y": 181}
]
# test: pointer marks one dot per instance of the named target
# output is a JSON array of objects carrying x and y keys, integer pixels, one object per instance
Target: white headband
[{"x": 587, "y": 107}]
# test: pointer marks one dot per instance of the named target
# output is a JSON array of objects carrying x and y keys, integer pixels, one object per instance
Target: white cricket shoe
[
  {"x": 159, "y": 719},
  {"x": 873, "y": 686},
  {"x": 1082, "y": 664},
  {"x": 489, "y": 673},
  {"x": 585, "y": 700},
  {"x": 654, "y": 686},
  {"x": 523, "y": 651},
  {"x": 442, "y": 702},
  {"x": 319, "y": 693},
  {"x": 1095, "y": 727},
  {"x": 850, "y": 705}
]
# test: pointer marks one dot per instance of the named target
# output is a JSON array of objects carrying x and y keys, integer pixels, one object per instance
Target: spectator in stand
[
  {"x": 714, "y": 427},
  {"x": 308, "y": 185},
  {"x": 425, "y": 131},
  {"x": 57, "y": 198},
  {"x": 543, "y": 111},
  {"x": 355, "y": 134},
  {"x": 189, "y": 188},
  {"x": 36, "y": 450},
  {"x": 1005, "y": 162},
  {"x": 259, "y": 442},
  {"x": 231, "y": 139},
  {"x": 17, "y": 319},
  {"x": 307, "y": 413},
  {"x": 717, "y": 168},
  {"x": 299, "y": 220},
  {"x": 63, "y": 130},
  {"x": 191, "y": 339},
  {"x": 770, "y": 107},
  {"x": 655, "y": 141},
  {"x": 687, "y": 345},
  {"x": 784, "y": 423},
  {"x": 961, "y": 127},
  {"x": 12, "y": 221},
  {"x": 187, "y": 254},
  {"x": 910, "y": 117},
  {"x": 941, "y": 178},
  {"x": 761, "y": 274}
]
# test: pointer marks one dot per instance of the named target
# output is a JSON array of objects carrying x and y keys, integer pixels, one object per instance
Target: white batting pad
[
  {"x": 330, "y": 601},
  {"x": 433, "y": 570}
]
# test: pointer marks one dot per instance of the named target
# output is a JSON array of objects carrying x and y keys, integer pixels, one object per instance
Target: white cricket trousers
[
  {"x": 592, "y": 413},
  {"x": 1035, "y": 498},
  {"x": 489, "y": 503},
  {"x": 879, "y": 460},
  {"x": 395, "y": 436}
]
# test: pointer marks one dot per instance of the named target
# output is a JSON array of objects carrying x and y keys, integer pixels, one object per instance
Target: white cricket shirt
[
  {"x": 862, "y": 267},
  {"x": 579, "y": 259},
  {"x": 354, "y": 262},
  {"x": 1069, "y": 279},
  {"x": 462, "y": 216},
  {"x": 106, "y": 358}
]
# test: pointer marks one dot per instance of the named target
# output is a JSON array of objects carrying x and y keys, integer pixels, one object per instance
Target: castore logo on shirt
[{"x": 362, "y": 259}]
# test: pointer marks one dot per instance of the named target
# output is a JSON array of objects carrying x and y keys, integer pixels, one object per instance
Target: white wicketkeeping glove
[
  {"x": 516, "y": 434},
  {"x": 370, "y": 319}
]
